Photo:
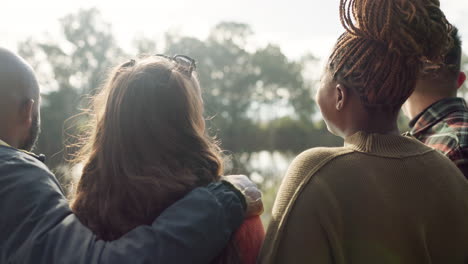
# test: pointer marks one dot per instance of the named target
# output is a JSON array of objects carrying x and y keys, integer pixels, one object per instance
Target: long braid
[{"x": 386, "y": 45}]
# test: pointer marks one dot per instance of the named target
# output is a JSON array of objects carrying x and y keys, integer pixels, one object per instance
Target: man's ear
[
  {"x": 461, "y": 79},
  {"x": 27, "y": 112},
  {"x": 341, "y": 96}
]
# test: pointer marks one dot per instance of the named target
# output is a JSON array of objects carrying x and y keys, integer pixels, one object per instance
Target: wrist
[
  {"x": 231, "y": 200},
  {"x": 237, "y": 192}
]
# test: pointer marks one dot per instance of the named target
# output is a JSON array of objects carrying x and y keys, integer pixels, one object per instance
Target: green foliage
[
  {"x": 289, "y": 135},
  {"x": 72, "y": 67},
  {"x": 242, "y": 87},
  {"x": 256, "y": 99}
]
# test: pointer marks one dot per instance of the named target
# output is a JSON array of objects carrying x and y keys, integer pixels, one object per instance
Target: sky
[{"x": 297, "y": 26}]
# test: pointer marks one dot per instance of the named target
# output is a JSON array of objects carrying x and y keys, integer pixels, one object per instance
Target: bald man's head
[{"x": 19, "y": 101}]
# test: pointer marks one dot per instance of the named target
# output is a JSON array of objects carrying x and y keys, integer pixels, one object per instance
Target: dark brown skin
[
  {"x": 19, "y": 101},
  {"x": 375, "y": 63},
  {"x": 345, "y": 114}
]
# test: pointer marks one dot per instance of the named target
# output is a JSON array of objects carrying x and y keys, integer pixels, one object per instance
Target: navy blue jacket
[{"x": 37, "y": 225}]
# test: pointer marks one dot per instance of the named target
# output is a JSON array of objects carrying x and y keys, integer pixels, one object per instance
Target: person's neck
[
  {"x": 384, "y": 130},
  {"x": 9, "y": 140},
  {"x": 421, "y": 98},
  {"x": 378, "y": 124},
  {"x": 417, "y": 103}
]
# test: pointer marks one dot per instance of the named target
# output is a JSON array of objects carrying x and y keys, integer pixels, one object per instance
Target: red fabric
[{"x": 249, "y": 238}]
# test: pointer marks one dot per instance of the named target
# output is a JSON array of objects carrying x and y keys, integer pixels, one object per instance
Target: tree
[
  {"x": 256, "y": 99},
  {"x": 71, "y": 67},
  {"x": 243, "y": 88}
]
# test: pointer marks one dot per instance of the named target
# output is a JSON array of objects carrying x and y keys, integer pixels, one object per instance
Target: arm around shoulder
[{"x": 37, "y": 226}]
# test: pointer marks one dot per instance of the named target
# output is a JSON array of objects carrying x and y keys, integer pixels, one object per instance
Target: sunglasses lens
[
  {"x": 129, "y": 63},
  {"x": 185, "y": 62}
]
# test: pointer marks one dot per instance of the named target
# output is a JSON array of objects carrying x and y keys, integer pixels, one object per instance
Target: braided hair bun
[{"x": 386, "y": 45}]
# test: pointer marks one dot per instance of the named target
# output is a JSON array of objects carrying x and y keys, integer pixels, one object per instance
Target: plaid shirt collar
[{"x": 435, "y": 113}]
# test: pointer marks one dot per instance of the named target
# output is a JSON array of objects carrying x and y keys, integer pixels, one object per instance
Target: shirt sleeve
[{"x": 37, "y": 225}]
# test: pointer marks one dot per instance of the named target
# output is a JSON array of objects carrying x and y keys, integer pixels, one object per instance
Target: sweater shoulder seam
[{"x": 298, "y": 191}]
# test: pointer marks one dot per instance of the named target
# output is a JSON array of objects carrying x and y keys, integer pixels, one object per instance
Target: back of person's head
[
  {"x": 444, "y": 79},
  {"x": 147, "y": 147},
  {"x": 19, "y": 101},
  {"x": 387, "y": 44},
  {"x": 454, "y": 55}
]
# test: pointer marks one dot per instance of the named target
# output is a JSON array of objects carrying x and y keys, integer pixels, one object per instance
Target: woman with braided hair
[{"x": 383, "y": 197}]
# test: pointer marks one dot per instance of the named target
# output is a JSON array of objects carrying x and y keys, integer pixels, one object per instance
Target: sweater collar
[{"x": 385, "y": 145}]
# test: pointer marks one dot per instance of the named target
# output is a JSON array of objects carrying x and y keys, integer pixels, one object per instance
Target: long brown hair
[
  {"x": 387, "y": 44},
  {"x": 147, "y": 147}
]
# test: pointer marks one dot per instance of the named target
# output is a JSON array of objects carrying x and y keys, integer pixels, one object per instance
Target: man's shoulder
[
  {"x": 457, "y": 119},
  {"x": 451, "y": 131},
  {"x": 24, "y": 181},
  {"x": 12, "y": 155},
  {"x": 14, "y": 161}
]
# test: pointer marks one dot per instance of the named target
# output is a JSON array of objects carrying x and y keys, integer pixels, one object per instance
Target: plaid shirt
[{"x": 444, "y": 127}]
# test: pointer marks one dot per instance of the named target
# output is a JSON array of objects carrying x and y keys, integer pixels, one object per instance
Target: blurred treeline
[{"x": 259, "y": 103}]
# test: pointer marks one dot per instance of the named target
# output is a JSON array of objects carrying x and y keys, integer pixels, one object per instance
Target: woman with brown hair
[
  {"x": 148, "y": 148},
  {"x": 382, "y": 198}
]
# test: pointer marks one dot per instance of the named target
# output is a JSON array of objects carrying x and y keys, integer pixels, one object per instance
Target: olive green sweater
[{"x": 379, "y": 199}]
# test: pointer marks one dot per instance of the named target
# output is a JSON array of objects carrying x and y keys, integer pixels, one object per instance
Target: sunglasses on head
[{"x": 187, "y": 64}]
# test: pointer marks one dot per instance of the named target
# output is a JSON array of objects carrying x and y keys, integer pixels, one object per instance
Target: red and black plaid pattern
[{"x": 444, "y": 126}]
